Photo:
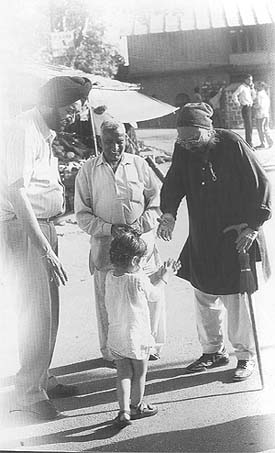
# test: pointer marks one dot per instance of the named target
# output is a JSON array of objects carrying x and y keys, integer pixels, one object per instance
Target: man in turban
[
  {"x": 228, "y": 199},
  {"x": 31, "y": 197}
]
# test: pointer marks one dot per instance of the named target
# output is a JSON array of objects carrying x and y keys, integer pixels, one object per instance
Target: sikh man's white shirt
[{"x": 27, "y": 157}]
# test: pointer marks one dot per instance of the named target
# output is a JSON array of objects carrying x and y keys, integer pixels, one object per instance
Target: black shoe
[
  {"x": 44, "y": 410},
  {"x": 154, "y": 356},
  {"x": 243, "y": 370},
  {"x": 62, "y": 391},
  {"x": 207, "y": 361}
]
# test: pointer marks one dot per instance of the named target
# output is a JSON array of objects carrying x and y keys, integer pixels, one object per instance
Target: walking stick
[
  {"x": 257, "y": 347},
  {"x": 155, "y": 169},
  {"x": 247, "y": 285}
]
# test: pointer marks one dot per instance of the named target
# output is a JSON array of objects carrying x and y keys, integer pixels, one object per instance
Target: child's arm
[
  {"x": 169, "y": 267},
  {"x": 159, "y": 278}
]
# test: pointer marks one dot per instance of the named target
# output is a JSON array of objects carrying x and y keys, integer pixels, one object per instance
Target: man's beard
[
  {"x": 198, "y": 144},
  {"x": 55, "y": 122},
  {"x": 195, "y": 145}
]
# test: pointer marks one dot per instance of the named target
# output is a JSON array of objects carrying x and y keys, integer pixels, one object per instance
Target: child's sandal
[
  {"x": 143, "y": 410},
  {"x": 123, "y": 419}
]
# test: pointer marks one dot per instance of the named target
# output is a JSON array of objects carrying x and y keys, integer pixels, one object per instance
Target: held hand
[
  {"x": 166, "y": 227},
  {"x": 54, "y": 268},
  {"x": 245, "y": 236},
  {"x": 118, "y": 229},
  {"x": 121, "y": 228},
  {"x": 137, "y": 227},
  {"x": 245, "y": 239}
]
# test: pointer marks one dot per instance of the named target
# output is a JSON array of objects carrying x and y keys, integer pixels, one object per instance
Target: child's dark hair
[{"x": 125, "y": 246}]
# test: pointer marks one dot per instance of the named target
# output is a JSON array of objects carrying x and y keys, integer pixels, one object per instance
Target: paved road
[{"x": 203, "y": 413}]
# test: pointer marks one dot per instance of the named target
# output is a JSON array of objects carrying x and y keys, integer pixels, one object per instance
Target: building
[{"x": 206, "y": 44}]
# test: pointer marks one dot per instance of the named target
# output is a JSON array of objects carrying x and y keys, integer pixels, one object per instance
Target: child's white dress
[{"x": 126, "y": 301}]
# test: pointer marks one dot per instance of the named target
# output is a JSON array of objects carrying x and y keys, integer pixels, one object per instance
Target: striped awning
[{"x": 201, "y": 15}]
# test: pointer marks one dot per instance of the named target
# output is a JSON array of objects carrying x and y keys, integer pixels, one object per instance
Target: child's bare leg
[
  {"x": 138, "y": 381},
  {"x": 124, "y": 378}
]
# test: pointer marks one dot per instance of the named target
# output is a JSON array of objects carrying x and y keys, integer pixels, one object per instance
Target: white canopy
[
  {"x": 130, "y": 106},
  {"x": 123, "y": 101}
]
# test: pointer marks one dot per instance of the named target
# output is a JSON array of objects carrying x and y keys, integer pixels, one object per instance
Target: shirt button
[
  {"x": 203, "y": 183},
  {"x": 203, "y": 168}
]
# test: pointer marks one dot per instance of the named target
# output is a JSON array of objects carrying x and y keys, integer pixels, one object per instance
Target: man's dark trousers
[{"x": 247, "y": 119}]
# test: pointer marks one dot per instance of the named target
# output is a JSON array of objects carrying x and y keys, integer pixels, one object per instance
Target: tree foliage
[{"x": 90, "y": 52}]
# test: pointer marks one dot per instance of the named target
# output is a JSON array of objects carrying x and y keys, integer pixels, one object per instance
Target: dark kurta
[{"x": 235, "y": 191}]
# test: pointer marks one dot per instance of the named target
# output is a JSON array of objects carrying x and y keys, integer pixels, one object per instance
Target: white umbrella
[
  {"x": 129, "y": 106},
  {"x": 123, "y": 101}
]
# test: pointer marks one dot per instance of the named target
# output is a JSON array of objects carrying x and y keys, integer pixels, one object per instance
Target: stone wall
[{"x": 232, "y": 113}]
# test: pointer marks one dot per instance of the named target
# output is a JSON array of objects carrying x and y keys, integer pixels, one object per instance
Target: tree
[
  {"x": 90, "y": 52},
  {"x": 94, "y": 55}
]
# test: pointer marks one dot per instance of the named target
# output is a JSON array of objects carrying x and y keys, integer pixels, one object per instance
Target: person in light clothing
[
  {"x": 112, "y": 190},
  {"x": 261, "y": 108},
  {"x": 244, "y": 97},
  {"x": 131, "y": 330},
  {"x": 31, "y": 197}
]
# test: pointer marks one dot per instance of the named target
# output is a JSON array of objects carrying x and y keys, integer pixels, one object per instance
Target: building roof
[{"x": 202, "y": 15}]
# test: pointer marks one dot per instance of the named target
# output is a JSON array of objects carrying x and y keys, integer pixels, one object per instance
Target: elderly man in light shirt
[
  {"x": 113, "y": 190},
  {"x": 244, "y": 97},
  {"x": 31, "y": 197}
]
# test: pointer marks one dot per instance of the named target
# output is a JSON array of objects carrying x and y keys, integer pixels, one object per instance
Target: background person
[
  {"x": 31, "y": 197},
  {"x": 244, "y": 97},
  {"x": 215, "y": 102},
  {"x": 113, "y": 190},
  {"x": 224, "y": 185},
  {"x": 261, "y": 108},
  {"x": 197, "y": 95}
]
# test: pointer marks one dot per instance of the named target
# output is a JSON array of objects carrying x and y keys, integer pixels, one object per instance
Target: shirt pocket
[{"x": 136, "y": 191}]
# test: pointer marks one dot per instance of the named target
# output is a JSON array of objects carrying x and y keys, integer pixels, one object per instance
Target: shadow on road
[
  {"x": 98, "y": 431},
  {"x": 102, "y": 391},
  {"x": 247, "y": 434}
]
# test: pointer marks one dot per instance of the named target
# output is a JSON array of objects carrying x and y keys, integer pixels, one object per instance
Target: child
[{"x": 130, "y": 336}]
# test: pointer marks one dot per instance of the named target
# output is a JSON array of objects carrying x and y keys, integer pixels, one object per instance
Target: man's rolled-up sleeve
[
  {"x": 21, "y": 151},
  {"x": 235, "y": 95},
  {"x": 148, "y": 219},
  {"x": 83, "y": 206}
]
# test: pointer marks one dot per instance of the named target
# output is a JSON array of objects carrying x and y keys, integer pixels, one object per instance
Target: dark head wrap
[
  {"x": 64, "y": 90},
  {"x": 197, "y": 114}
]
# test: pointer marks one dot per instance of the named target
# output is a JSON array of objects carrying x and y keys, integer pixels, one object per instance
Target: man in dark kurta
[{"x": 224, "y": 186}]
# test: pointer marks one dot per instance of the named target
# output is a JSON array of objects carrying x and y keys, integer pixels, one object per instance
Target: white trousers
[
  {"x": 210, "y": 315},
  {"x": 102, "y": 316},
  {"x": 36, "y": 302}
]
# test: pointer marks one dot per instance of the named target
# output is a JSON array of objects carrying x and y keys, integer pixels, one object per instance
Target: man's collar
[
  {"x": 125, "y": 159},
  {"x": 47, "y": 133}
]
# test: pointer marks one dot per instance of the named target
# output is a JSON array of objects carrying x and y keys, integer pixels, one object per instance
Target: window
[{"x": 249, "y": 39}]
